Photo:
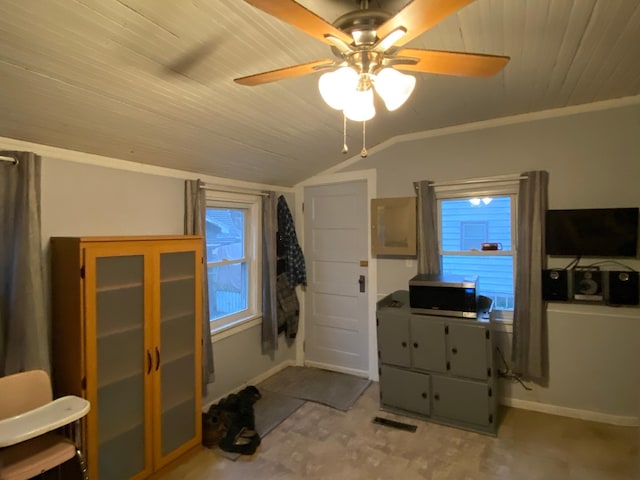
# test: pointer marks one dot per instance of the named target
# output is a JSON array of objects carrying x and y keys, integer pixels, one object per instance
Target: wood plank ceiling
[{"x": 151, "y": 80}]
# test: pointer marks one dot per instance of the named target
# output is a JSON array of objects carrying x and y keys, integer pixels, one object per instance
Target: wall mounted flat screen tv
[{"x": 600, "y": 232}]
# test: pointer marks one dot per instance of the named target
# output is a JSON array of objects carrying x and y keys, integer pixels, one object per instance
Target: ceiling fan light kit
[{"x": 366, "y": 45}]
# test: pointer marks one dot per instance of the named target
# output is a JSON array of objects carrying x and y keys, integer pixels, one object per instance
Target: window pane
[
  {"x": 467, "y": 223},
  {"x": 225, "y": 234},
  {"x": 495, "y": 275},
  {"x": 228, "y": 289}
]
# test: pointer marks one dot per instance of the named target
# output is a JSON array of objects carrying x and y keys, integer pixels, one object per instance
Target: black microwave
[{"x": 450, "y": 295}]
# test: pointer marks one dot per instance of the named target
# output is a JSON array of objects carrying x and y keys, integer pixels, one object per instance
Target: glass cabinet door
[
  {"x": 177, "y": 352},
  {"x": 122, "y": 366}
]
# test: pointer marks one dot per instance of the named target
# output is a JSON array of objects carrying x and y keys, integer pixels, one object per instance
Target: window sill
[
  {"x": 502, "y": 325},
  {"x": 234, "y": 328}
]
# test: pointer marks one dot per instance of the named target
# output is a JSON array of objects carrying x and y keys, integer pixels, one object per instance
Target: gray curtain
[
  {"x": 529, "y": 350},
  {"x": 269, "y": 273},
  {"x": 195, "y": 210},
  {"x": 428, "y": 249},
  {"x": 24, "y": 330}
]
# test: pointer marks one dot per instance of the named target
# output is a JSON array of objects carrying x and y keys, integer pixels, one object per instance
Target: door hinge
[
  {"x": 490, "y": 392},
  {"x": 446, "y": 330},
  {"x": 489, "y": 372},
  {"x": 82, "y": 271},
  {"x": 302, "y": 207},
  {"x": 83, "y": 383},
  {"x": 487, "y": 334},
  {"x": 380, "y": 374},
  {"x": 448, "y": 366},
  {"x": 490, "y": 418}
]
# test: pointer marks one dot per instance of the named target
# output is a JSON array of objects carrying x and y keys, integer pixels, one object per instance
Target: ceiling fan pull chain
[
  {"x": 364, "y": 152},
  {"x": 345, "y": 149}
]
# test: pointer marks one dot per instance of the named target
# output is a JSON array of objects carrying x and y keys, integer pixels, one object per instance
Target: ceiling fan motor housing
[{"x": 362, "y": 25}]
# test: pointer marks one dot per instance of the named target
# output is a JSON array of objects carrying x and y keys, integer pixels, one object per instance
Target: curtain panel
[
  {"x": 195, "y": 211},
  {"x": 24, "y": 321},
  {"x": 529, "y": 349},
  {"x": 269, "y": 273},
  {"x": 427, "y": 216}
]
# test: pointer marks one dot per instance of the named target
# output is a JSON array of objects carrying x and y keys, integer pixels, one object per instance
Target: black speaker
[
  {"x": 587, "y": 284},
  {"x": 555, "y": 285},
  {"x": 623, "y": 288}
]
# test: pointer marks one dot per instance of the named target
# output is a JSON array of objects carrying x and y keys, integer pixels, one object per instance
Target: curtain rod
[
  {"x": 503, "y": 178},
  {"x": 213, "y": 188},
  {"x": 8, "y": 159}
]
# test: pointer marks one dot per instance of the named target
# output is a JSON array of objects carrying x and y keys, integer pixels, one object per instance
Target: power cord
[
  {"x": 573, "y": 263},
  {"x": 508, "y": 373}
]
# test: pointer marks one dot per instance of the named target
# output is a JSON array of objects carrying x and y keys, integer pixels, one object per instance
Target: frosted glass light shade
[
  {"x": 359, "y": 106},
  {"x": 337, "y": 86},
  {"x": 394, "y": 87}
]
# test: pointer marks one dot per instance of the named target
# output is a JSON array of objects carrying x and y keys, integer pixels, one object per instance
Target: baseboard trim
[
  {"x": 325, "y": 366},
  {"x": 254, "y": 381},
  {"x": 620, "y": 420}
]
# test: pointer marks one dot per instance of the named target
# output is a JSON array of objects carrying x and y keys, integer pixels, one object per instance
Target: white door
[{"x": 336, "y": 244}]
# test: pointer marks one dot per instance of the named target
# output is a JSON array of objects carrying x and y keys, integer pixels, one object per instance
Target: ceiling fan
[{"x": 367, "y": 45}]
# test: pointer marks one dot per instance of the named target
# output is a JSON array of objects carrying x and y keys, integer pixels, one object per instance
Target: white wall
[
  {"x": 130, "y": 199},
  {"x": 593, "y": 159}
]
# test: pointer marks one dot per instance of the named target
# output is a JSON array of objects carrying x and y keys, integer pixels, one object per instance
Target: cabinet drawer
[
  {"x": 468, "y": 350},
  {"x": 393, "y": 337},
  {"x": 405, "y": 389},
  {"x": 428, "y": 350},
  {"x": 461, "y": 400}
]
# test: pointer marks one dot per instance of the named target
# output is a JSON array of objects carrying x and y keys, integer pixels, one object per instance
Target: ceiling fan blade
[
  {"x": 283, "y": 73},
  {"x": 302, "y": 18},
  {"x": 449, "y": 63},
  {"x": 418, "y": 17}
]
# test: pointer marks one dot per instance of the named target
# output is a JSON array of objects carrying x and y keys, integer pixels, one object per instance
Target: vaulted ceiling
[{"x": 151, "y": 81}]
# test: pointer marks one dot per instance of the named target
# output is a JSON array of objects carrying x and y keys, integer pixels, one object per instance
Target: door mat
[
  {"x": 270, "y": 411},
  {"x": 336, "y": 390}
]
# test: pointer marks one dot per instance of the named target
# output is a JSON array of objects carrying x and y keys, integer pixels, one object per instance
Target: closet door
[
  {"x": 177, "y": 354},
  {"x": 118, "y": 375}
]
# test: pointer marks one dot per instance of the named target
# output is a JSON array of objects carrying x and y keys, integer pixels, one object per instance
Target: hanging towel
[{"x": 295, "y": 267}]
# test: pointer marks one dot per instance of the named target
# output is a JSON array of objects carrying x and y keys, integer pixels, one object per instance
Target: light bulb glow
[
  {"x": 359, "y": 106},
  {"x": 337, "y": 86},
  {"x": 394, "y": 87}
]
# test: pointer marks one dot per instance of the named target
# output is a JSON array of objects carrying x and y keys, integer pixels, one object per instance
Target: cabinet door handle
[
  {"x": 149, "y": 362},
  {"x": 404, "y": 344},
  {"x": 415, "y": 344},
  {"x": 436, "y": 397},
  {"x": 424, "y": 395},
  {"x": 157, "y": 359},
  {"x": 454, "y": 350}
]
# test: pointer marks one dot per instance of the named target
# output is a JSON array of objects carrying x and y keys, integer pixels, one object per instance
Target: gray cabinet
[
  {"x": 405, "y": 389},
  {"x": 435, "y": 367}
]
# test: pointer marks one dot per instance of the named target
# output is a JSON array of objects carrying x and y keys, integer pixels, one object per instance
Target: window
[
  {"x": 233, "y": 243},
  {"x": 467, "y": 219}
]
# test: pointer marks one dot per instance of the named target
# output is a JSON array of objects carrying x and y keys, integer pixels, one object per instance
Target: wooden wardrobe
[{"x": 126, "y": 335}]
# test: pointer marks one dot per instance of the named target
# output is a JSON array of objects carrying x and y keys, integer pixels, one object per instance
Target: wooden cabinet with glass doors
[{"x": 127, "y": 336}]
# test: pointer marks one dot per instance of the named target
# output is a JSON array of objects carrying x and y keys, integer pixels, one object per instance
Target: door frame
[{"x": 369, "y": 177}]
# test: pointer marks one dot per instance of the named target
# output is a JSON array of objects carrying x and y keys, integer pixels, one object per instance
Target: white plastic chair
[{"x": 37, "y": 433}]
